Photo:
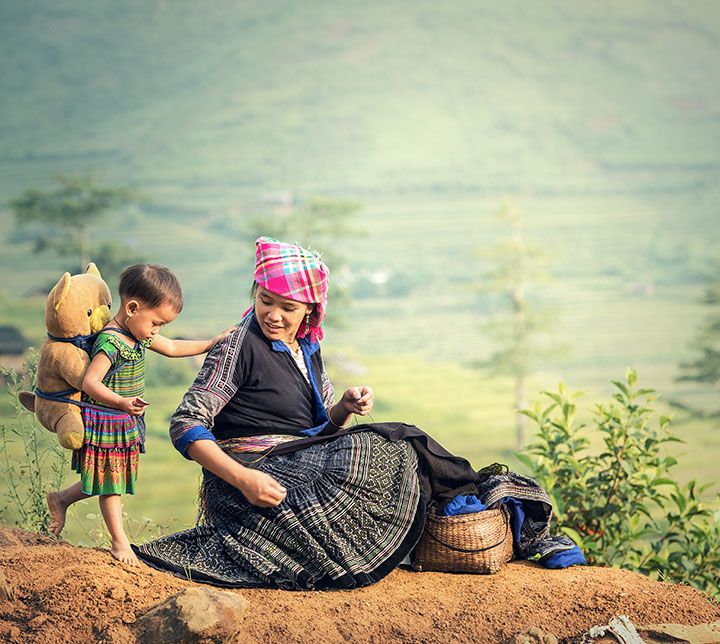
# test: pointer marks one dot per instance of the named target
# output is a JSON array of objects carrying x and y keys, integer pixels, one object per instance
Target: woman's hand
[
  {"x": 358, "y": 400},
  {"x": 261, "y": 489}
]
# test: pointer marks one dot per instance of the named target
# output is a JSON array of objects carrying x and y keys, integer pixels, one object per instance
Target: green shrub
[
  {"x": 32, "y": 463},
  {"x": 621, "y": 503}
]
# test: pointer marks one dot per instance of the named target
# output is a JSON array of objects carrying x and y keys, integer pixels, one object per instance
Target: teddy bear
[{"x": 77, "y": 307}]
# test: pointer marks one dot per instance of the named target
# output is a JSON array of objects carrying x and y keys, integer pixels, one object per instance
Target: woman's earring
[{"x": 307, "y": 323}]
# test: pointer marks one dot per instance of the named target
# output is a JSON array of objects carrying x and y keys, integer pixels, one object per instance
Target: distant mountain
[{"x": 205, "y": 104}]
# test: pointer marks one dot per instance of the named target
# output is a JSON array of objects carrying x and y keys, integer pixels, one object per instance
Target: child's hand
[
  {"x": 132, "y": 406},
  {"x": 358, "y": 400},
  {"x": 221, "y": 336}
]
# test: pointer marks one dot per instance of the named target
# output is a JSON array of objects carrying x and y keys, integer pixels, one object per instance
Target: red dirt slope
[{"x": 64, "y": 593}]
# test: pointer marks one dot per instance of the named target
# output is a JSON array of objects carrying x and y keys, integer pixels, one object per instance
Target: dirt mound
[{"x": 61, "y": 592}]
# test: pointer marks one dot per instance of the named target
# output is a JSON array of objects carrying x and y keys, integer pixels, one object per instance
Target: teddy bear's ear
[
  {"x": 60, "y": 290},
  {"x": 93, "y": 270}
]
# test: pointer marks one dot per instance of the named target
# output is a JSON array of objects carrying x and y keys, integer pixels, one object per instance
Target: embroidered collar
[{"x": 131, "y": 354}]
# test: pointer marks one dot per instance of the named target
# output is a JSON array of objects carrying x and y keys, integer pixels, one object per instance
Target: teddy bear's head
[{"x": 78, "y": 304}]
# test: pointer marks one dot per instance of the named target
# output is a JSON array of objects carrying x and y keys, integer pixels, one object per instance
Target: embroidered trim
[
  {"x": 132, "y": 355},
  {"x": 218, "y": 375}
]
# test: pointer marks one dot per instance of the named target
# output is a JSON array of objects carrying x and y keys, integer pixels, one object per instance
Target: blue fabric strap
[
  {"x": 84, "y": 342},
  {"x": 61, "y": 397}
]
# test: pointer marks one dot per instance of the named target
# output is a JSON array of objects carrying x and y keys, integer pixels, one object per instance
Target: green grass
[{"x": 466, "y": 410}]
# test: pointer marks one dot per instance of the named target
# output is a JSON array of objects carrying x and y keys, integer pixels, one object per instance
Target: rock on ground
[{"x": 194, "y": 615}]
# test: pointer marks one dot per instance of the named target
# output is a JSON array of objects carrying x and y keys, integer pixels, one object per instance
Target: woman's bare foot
[
  {"x": 58, "y": 510},
  {"x": 123, "y": 552}
]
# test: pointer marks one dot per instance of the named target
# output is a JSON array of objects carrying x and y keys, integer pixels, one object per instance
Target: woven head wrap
[{"x": 294, "y": 273}]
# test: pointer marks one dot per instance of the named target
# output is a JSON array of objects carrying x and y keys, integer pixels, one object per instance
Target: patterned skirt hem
[
  {"x": 354, "y": 511},
  {"x": 343, "y": 583},
  {"x": 107, "y": 470}
]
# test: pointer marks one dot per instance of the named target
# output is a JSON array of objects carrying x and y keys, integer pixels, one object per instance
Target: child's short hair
[{"x": 152, "y": 284}]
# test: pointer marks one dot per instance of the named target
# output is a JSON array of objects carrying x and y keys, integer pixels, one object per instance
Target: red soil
[{"x": 64, "y": 593}]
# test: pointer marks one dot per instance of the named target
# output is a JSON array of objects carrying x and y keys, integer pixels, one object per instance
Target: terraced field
[{"x": 598, "y": 121}]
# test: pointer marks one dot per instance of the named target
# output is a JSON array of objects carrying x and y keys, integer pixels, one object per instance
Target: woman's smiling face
[{"x": 279, "y": 317}]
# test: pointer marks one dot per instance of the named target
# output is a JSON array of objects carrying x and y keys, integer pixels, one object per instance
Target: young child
[{"x": 150, "y": 297}]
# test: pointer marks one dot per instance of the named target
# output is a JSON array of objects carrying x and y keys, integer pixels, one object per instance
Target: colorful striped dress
[{"x": 108, "y": 460}]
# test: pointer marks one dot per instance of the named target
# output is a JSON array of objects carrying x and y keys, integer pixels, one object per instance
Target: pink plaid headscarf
[{"x": 294, "y": 273}]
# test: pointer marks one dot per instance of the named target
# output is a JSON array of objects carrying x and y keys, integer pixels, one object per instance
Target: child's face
[{"x": 145, "y": 322}]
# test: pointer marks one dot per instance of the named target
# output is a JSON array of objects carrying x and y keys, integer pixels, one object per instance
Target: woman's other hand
[
  {"x": 358, "y": 400},
  {"x": 261, "y": 489}
]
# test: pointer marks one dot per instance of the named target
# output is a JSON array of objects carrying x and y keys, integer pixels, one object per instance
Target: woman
[
  {"x": 290, "y": 498},
  {"x": 281, "y": 504}
]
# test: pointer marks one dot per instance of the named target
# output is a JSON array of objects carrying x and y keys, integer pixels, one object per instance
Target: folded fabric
[
  {"x": 560, "y": 551},
  {"x": 463, "y": 504},
  {"x": 564, "y": 558},
  {"x": 517, "y": 515},
  {"x": 531, "y": 512}
]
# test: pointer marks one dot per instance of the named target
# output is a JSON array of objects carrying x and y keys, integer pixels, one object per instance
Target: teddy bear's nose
[{"x": 99, "y": 318}]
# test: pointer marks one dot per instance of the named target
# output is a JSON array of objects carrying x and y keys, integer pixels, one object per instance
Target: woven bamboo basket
[{"x": 479, "y": 542}]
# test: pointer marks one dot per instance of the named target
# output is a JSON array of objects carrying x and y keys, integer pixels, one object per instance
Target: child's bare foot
[
  {"x": 123, "y": 552},
  {"x": 58, "y": 510}
]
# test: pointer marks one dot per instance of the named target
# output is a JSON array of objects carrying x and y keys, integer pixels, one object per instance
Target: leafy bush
[
  {"x": 31, "y": 463},
  {"x": 622, "y": 505}
]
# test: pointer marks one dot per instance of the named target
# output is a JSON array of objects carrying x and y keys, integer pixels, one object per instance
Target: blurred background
[{"x": 509, "y": 195}]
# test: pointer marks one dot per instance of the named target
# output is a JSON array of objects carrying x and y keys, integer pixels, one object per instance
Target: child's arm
[
  {"x": 183, "y": 348},
  {"x": 93, "y": 386}
]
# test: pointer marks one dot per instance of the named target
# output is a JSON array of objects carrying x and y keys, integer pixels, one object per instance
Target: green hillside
[
  {"x": 205, "y": 105},
  {"x": 600, "y": 120}
]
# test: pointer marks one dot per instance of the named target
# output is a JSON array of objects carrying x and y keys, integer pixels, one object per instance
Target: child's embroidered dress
[{"x": 108, "y": 460}]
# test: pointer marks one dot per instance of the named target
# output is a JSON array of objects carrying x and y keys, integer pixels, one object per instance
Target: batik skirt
[{"x": 353, "y": 511}]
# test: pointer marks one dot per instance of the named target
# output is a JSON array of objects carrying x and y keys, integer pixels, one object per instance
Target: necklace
[
  {"x": 124, "y": 328},
  {"x": 120, "y": 325},
  {"x": 294, "y": 346}
]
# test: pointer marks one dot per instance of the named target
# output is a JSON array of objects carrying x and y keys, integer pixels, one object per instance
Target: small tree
[
  {"x": 59, "y": 219},
  {"x": 515, "y": 267},
  {"x": 706, "y": 368}
]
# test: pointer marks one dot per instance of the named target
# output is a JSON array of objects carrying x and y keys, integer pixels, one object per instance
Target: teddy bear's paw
[
  {"x": 71, "y": 440},
  {"x": 70, "y": 431},
  {"x": 27, "y": 400}
]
